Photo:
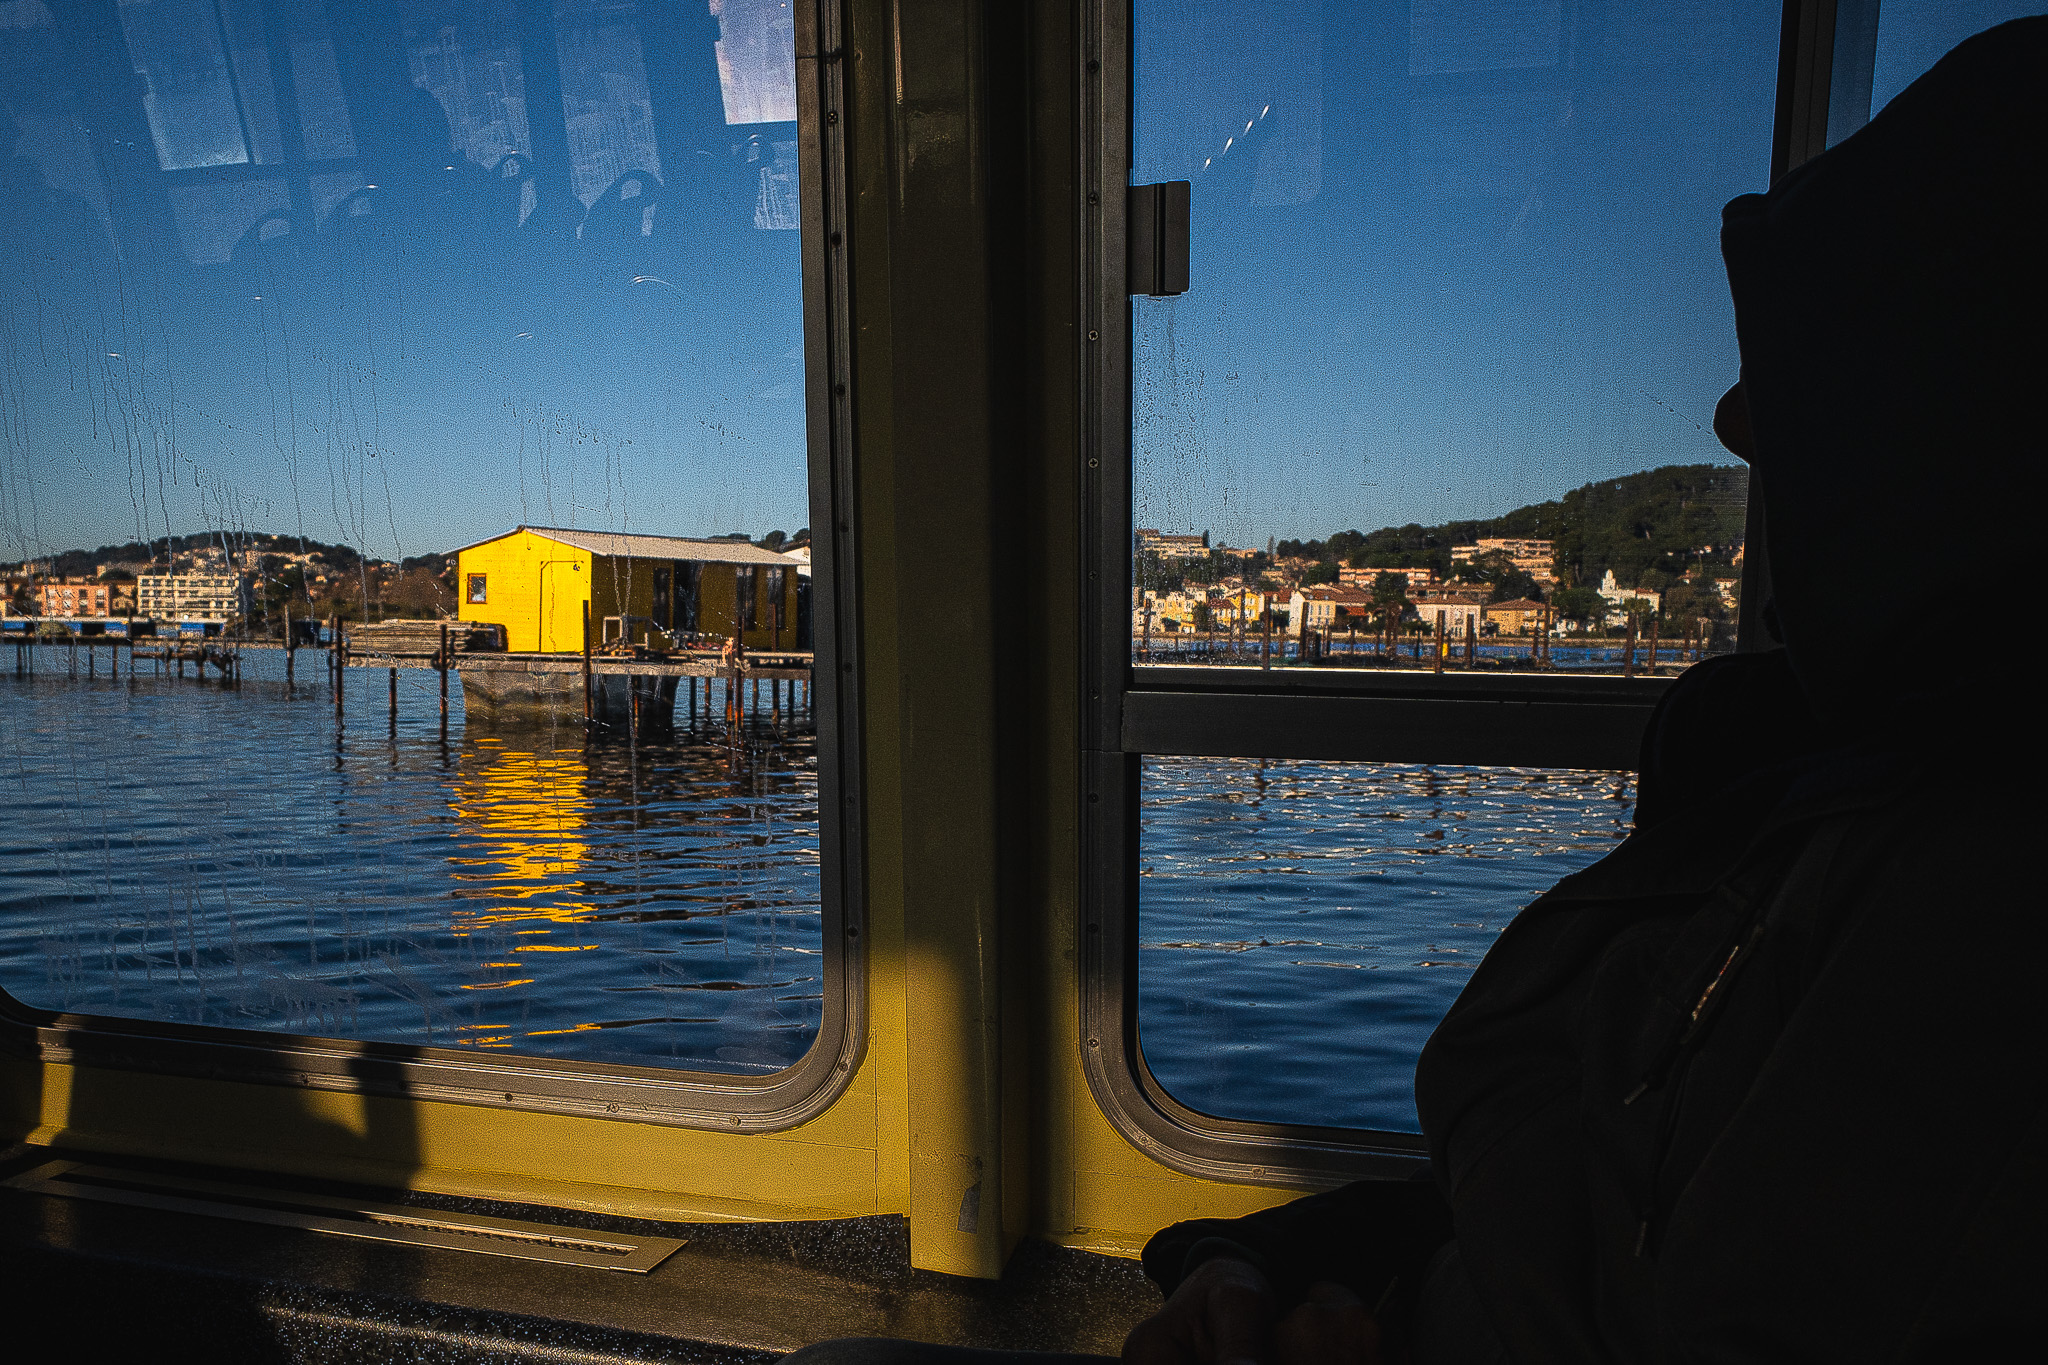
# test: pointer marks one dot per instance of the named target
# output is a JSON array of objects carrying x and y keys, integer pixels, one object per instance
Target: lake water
[{"x": 183, "y": 851}]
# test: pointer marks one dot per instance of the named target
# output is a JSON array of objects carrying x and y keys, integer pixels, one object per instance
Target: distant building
[
  {"x": 76, "y": 597},
  {"x": 1173, "y": 547},
  {"x": 1250, "y": 604},
  {"x": 1416, "y": 579},
  {"x": 201, "y": 595},
  {"x": 1617, "y": 597},
  {"x": 1522, "y": 616},
  {"x": 1326, "y": 608},
  {"x": 1532, "y": 557},
  {"x": 1455, "y": 612}
]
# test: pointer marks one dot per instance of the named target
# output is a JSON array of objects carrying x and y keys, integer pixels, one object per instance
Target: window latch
[{"x": 1156, "y": 238}]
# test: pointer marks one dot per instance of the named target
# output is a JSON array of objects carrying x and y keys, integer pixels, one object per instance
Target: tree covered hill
[{"x": 1648, "y": 528}]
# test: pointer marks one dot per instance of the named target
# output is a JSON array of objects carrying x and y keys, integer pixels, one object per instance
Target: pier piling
[
  {"x": 441, "y": 663},
  {"x": 586, "y": 664},
  {"x": 1437, "y": 655},
  {"x": 1628, "y": 651}
]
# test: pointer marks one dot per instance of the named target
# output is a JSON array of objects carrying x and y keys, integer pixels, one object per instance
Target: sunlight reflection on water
[
  {"x": 1304, "y": 925},
  {"x": 183, "y": 852}
]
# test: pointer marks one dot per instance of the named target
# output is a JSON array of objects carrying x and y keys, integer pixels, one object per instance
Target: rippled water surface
[
  {"x": 182, "y": 851},
  {"x": 1304, "y": 925}
]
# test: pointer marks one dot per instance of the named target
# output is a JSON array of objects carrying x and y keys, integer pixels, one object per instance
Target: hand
[
  {"x": 1220, "y": 1315},
  {"x": 1332, "y": 1326}
]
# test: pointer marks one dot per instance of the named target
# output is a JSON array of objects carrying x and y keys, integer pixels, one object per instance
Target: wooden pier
[{"x": 636, "y": 692}]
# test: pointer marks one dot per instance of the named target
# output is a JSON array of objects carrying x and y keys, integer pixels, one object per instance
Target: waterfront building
[
  {"x": 536, "y": 581},
  {"x": 1455, "y": 612},
  {"x": 1518, "y": 617},
  {"x": 219, "y": 595},
  {"x": 1326, "y": 608},
  {"x": 76, "y": 597}
]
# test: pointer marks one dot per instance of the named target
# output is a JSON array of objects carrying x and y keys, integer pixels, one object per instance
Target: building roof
[
  {"x": 630, "y": 545},
  {"x": 1518, "y": 604}
]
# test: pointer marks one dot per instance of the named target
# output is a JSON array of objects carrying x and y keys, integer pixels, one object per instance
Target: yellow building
[{"x": 535, "y": 580}]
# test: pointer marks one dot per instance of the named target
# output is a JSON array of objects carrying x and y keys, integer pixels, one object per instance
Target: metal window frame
[
  {"x": 1361, "y": 716},
  {"x": 648, "y": 1095}
]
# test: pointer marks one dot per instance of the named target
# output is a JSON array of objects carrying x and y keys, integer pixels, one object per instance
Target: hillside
[{"x": 1647, "y": 527}]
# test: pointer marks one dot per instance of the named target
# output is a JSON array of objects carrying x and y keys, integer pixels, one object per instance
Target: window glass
[
  {"x": 1446, "y": 367},
  {"x": 312, "y": 313},
  {"x": 1881, "y": 48},
  {"x": 1303, "y": 926}
]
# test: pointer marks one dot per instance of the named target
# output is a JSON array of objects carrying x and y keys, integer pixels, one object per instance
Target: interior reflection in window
[
  {"x": 1303, "y": 926},
  {"x": 1440, "y": 390},
  {"x": 301, "y": 299}
]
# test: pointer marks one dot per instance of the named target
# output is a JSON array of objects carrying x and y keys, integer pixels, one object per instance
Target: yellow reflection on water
[{"x": 522, "y": 816}]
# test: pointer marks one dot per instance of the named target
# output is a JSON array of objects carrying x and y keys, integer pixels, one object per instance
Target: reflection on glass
[
  {"x": 1444, "y": 376},
  {"x": 299, "y": 299},
  {"x": 1304, "y": 925}
]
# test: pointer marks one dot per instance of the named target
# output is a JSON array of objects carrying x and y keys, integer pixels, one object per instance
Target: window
[
  {"x": 1410, "y": 509},
  {"x": 425, "y": 272}
]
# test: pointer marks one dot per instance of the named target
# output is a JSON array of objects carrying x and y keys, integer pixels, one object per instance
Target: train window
[
  {"x": 1446, "y": 368},
  {"x": 312, "y": 314},
  {"x": 1417, "y": 470}
]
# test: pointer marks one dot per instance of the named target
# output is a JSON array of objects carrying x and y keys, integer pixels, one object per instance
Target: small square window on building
[{"x": 476, "y": 589}]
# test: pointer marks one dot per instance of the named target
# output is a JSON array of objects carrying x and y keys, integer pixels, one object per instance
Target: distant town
[
  {"x": 1662, "y": 546},
  {"x": 251, "y": 584}
]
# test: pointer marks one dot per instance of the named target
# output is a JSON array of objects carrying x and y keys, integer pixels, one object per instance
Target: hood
[{"x": 1889, "y": 305}]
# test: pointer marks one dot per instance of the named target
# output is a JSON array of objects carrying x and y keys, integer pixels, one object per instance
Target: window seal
[{"x": 649, "y": 1095}]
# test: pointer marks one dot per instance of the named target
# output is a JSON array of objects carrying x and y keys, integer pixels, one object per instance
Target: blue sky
[
  {"x": 1463, "y": 257},
  {"x": 596, "y": 324},
  {"x": 1449, "y": 256}
]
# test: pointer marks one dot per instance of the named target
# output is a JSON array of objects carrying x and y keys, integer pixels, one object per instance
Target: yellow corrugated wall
[{"x": 534, "y": 587}]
